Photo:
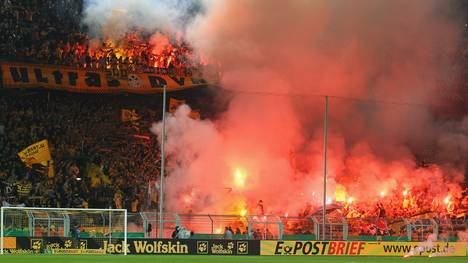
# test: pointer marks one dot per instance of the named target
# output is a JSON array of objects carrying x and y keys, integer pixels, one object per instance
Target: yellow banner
[
  {"x": 36, "y": 153},
  {"x": 24, "y": 75},
  {"x": 355, "y": 248},
  {"x": 9, "y": 242}
]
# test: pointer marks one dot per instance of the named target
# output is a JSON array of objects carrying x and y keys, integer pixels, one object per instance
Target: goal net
[{"x": 63, "y": 230}]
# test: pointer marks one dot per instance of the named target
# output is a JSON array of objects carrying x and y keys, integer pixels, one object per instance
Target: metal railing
[
  {"x": 144, "y": 225},
  {"x": 336, "y": 228},
  {"x": 421, "y": 229}
]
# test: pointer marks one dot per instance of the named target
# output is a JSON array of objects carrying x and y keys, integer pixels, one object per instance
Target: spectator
[
  {"x": 149, "y": 229},
  {"x": 75, "y": 230},
  {"x": 135, "y": 207},
  {"x": 257, "y": 234},
  {"x": 183, "y": 233},
  {"x": 23, "y": 189},
  {"x": 227, "y": 233},
  {"x": 175, "y": 232}
]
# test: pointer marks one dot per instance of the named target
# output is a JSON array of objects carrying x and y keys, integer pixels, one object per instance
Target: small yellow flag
[{"x": 36, "y": 153}]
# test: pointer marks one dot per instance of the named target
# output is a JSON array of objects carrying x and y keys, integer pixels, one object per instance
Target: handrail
[{"x": 212, "y": 226}]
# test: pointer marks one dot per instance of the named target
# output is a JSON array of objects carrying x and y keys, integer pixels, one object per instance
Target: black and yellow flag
[
  {"x": 37, "y": 156},
  {"x": 35, "y": 153}
]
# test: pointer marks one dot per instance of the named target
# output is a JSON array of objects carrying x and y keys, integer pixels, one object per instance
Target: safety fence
[{"x": 261, "y": 227}]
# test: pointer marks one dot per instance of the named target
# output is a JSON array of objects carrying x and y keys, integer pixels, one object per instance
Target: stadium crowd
[
  {"x": 46, "y": 32},
  {"x": 385, "y": 217},
  {"x": 101, "y": 161},
  {"x": 98, "y": 160}
]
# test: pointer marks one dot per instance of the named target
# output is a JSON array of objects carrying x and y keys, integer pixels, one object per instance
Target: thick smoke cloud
[
  {"x": 373, "y": 50},
  {"x": 378, "y": 50}
]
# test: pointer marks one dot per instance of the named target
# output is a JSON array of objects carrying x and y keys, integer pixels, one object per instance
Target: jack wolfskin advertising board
[
  {"x": 361, "y": 248},
  {"x": 24, "y": 75},
  {"x": 227, "y": 247},
  {"x": 136, "y": 246}
]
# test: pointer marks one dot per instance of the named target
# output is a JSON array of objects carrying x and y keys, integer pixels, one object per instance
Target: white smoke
[
  {"x": 112, "y": 19},
  {"x": 462, "y": 236}
]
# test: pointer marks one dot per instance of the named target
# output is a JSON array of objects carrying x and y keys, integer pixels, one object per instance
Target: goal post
[{"x": 72, "y": 227}]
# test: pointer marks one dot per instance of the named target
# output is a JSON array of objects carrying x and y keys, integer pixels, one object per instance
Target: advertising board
[
  {"x": 362, "y": 248},
  {"x": 139, "y": 246}
]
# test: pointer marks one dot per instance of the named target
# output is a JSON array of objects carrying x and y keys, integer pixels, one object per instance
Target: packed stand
[
  {"x": 386, "y": 217},
  {"x": 50, "y": 32},
  {"x": 99, "y": 161},
  {"x": 35, "y": 30}
]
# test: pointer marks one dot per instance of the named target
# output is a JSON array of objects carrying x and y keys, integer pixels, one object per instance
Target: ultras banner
[
  {"x": 359, "y": 248},
  {"x": 138, "y": 246},
  {"x": 23, "y": 75}
]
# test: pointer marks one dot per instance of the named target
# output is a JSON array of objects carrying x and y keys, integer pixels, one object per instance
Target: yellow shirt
[
  {"x": 135, "y": 204},
  {"x": 23, "y": 190}
]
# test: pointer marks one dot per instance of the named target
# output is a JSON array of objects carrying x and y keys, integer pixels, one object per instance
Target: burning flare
[{"x": 239, "y": 178}]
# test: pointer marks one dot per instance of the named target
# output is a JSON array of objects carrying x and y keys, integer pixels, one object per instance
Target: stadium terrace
[{"x": 198, "y": 128}]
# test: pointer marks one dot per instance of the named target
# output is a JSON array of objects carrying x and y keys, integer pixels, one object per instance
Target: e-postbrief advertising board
[
  {"x": 361, "y": 248},
  {"x": 139, "y": 246}
]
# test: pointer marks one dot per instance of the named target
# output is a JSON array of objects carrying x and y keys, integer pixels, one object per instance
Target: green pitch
[{"x": 213, "y": 259}]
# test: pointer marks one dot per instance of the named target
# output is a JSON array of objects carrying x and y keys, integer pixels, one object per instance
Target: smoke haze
[
  {"x": 278, "y": 57},
  {"x": 112, "y": 19}
]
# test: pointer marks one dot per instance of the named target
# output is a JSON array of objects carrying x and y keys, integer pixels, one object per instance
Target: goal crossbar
[{"x": 2, "y": 215}]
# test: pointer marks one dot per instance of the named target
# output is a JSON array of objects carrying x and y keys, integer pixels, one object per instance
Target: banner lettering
[
  {"x": 139, "y": 246},
  {"x": 24, "y": 75},
  {"x": 35, "y": 153}
]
